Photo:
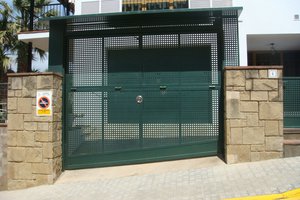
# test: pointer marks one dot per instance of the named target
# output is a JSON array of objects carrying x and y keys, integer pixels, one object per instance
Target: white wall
[
  {"x": 209, "y": 3},
  {"x": 104, "y": 6},
  {"x": 266, "y": 17}
]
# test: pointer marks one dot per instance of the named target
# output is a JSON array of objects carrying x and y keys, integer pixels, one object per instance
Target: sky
[{"x": 41, "y": 65}]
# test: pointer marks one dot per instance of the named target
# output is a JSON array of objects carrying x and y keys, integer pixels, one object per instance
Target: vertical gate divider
[
  {"x": 140, "y": 106},
  {"x": 102, "y": 91},
  {"x": 180, "y": 94},
  {"x": 221, "y": 57}
]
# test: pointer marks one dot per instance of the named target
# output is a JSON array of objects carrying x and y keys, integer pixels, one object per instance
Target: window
[{"x": 142, "y": 5}]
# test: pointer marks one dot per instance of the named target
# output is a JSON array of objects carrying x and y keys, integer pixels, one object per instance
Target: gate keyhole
[{"x": 139, "y": 99}]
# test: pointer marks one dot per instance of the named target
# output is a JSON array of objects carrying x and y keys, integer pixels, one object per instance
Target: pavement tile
[{"x": 220, "y": 182}]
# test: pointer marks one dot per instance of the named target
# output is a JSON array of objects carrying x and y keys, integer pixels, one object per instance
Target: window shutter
[
  {"x": 108, "y": 6},
  {"x": 89, "y": 7},
  {"x": 221, "y": 3},
  {"x": 199, "y": 3}
]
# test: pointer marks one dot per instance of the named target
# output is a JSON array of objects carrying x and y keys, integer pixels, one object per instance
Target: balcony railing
[
  {"x": 50, "y": 10},
  {"x": 142, "y": 5}
]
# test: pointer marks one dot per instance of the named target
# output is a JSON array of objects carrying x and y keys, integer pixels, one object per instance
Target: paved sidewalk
[{"x": 220, "y": 182}]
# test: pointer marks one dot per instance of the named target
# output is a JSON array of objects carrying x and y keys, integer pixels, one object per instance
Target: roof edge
[{"x": 189, "y": 10}]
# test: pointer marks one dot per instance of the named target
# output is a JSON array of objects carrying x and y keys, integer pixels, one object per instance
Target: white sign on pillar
[
  {"x": 44, "y": 103},
  {"x": 273, "y": 73}
]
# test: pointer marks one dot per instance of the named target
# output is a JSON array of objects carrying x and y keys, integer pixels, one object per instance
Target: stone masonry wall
[
  {"x": 3, "y": 157},
  {"x": 34, "y": 142},
  {"x": 253, "y": 114}
]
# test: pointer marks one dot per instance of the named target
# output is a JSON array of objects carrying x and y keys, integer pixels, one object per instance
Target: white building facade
[{"x": 269, "y": 30}]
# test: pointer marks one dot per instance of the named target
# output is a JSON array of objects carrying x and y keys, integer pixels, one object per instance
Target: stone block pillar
[
  {"x": 34, "y": 148},
  {"x": 253, "y": 113},
  {"x": 3, "y": 157}
]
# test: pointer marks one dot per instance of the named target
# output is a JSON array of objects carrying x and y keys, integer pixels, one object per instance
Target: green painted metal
[
  {"x": 161, "y": 81},
  {"x": 291, "y": 102},
  {"x": 173, "y": 60},
  {"x": 190, "y": 14}
]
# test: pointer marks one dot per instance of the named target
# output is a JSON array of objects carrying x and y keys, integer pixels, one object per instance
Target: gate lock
[{"x": 139, "y": 99}]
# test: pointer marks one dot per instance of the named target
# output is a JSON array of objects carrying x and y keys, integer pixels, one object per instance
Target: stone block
[
  {"x": 248, "y": 106},
  {"x": 12, "y": 138},
  {"x": 57, "y": 150},
  {"x": 57, "y": 117},
  {"x": 42, "y": 168},
  {"x": 57, "y": 83},
  {"x": 274, "y": 143},
  {"x": 16, "y": 83},
  {"x": 245, "y": 95},
  {"x": 232, "y": 104},
  {"x": 263, "y": 73},
  {"x": 42, "y": 179},
  {"x": 239, "y": 88},
  {"x": 249, "y": 85},
  {"x": 18, "y": 93},
  {"x": 44, "y": 82},
  {"x": 257, "y": 148},
  {"x": 24, "y": 106},
  {"x": 255, "y": 156},
  {"x": 274, "y": 96},
  {"x": 252, "y": 119},
  {"x": 271, "y": 110},
  {"x": 279, "y": 73},
  {"x": 265, "y": 85},
  {"x": 48, "y": 151},
  {"x": 42, "y": 137},
  {"x": 29, "y": 86},
  {"x": 235, "y": 78},
  {"x": 227, "y": 132},
  {"x": 237, "y": 123},
  {"x": 43, "y": 126},
  {"x": 16, "y": 184},
  {"x": 30, "y": 126},
  {"x": 259, "y": 96},
  {"x": 57, "y": 167},
  {"x": 236, "y": 136},
  {"x": 33, "y": 118},
  {"x": 270, "y": 155},
  {"x": 25, "y": 139},
  {"x": 280, "y": 93},
  {"x": 10, "y": 93},
  {"x": 253, "y": 135},
  {"x": 271, "y": 128},
  {"x": 34, "y": 155},
  {"x": 280, "y": 127},
  {"x": 238, "y": 153},
  {"x": 15, "y": 122},
  {"x": 252, "y": 74},
  {"x": 15, "y": 154},
  {"x": 12, "y": 104},
  {"x": 19, "y": 171}
]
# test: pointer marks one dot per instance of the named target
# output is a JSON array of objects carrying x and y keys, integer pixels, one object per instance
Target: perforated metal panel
[
  {"x": 174, "y": 66},
  {"x": 291, "y": 102}
]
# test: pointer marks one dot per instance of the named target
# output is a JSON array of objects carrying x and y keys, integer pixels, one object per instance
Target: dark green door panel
[
  {"x": 177, "y": 117},
  {"x": 206, "y": 148}
]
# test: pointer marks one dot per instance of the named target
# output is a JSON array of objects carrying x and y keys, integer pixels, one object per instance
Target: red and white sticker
[{"x": 44, "y": 103}]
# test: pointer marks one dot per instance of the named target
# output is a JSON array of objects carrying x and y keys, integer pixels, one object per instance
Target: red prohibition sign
[{"x": 43, "y": 102}]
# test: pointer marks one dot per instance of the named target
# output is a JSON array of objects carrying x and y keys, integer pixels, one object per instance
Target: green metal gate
[
  {"x": 291, "y": 102},
  {"x": 144, "y": 96}
]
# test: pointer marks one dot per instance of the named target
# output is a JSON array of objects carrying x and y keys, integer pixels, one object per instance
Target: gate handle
[
  {"x": 163, "y": 87},
  {"x": 118, "y": 88},
  {"x": 73, "y": 89},
  {"x": 212, "y": 87}
]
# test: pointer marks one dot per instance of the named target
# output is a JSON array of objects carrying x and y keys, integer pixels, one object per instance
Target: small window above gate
[{"x": 143, "y": 5}]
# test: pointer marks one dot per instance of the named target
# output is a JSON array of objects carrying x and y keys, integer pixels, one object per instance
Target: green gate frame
[{"x": 220, "y": 25}]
